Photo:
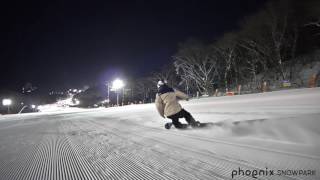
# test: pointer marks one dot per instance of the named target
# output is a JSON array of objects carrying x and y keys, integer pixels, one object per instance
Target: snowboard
[{"x": 187, "y": 126}]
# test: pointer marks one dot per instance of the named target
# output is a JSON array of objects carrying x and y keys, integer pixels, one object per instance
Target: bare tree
[
  {"x": 167, "y": 72},
  {"x": 311, "y": 12},
  {"x": 271, "y": 35},
  {"x": 315, "y": 23},
  {"x": 144, "y": 89},
  {"x": 254, "y": 57},
  {"x": 225, "y": 50},
  {"x": 194, "y": 62}
]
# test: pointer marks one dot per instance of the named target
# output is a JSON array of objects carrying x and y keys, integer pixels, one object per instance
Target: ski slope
[{"x": 276, "y": 131}]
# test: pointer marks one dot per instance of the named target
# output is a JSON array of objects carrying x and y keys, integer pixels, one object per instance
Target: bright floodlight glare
[
  {"x": 117, "y": 84},
  {"x": 6, "y": 102},
  {"x": 33, "y": 106}
]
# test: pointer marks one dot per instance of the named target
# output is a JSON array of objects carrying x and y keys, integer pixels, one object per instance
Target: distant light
[
  {"x": 117, "y": 84},
  {"x": 106, "y": 101},
  {"x": 75, "y": 90},
  {"x": 77, "y": 102},
  {"x": 6, "y": 102},
  {"x": 33, "y": 106},
  {"x": 40, "y": 107}
]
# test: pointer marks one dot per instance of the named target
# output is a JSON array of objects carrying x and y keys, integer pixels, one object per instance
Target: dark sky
[{"x": 63, "y": 44}]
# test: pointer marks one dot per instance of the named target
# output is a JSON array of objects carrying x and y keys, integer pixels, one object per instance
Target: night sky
[{"x": 64, "y": 44}]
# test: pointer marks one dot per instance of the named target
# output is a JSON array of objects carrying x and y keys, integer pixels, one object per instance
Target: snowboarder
[{"x": 168, "y": 106}]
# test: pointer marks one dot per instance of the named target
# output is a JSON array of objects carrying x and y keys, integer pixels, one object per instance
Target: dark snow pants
[{"x": 182, "y": 114}]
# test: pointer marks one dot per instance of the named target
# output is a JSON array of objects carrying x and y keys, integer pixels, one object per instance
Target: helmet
[{"x": 161, "y": 83}]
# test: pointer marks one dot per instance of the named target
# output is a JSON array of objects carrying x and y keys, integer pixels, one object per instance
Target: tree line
[
  {"x": 269, "y": 41},
  {"x": 266, "y": 47}
]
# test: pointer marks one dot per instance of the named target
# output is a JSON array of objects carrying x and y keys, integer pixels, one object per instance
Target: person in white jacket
[{"x": 168, "y": 106}]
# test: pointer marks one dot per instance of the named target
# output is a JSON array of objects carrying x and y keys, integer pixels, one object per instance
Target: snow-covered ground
[{"x": 256, "y": 133}]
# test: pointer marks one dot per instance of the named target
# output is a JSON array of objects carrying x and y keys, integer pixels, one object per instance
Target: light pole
[
  {"x": 116, "y": 85},
  {"x": 108, "y": 84},
  {"x": 33, "y": 107},
  {"x": 7, "y": 102}
]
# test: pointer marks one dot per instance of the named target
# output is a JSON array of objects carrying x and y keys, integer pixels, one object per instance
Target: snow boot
[{"x": 168, "y": 125}]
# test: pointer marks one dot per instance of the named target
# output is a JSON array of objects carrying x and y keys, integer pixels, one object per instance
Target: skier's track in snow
[
  {"x": 220, "y": 141},
  {"x": 224, "y": 162}
]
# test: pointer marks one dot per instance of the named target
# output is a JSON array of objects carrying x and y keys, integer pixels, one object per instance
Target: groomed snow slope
[{"x": 267, "y": 131}]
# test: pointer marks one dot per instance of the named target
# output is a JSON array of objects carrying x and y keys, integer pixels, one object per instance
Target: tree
[
  {"x": 144, "y": 90},
  {"x": 194, "y": 62},
  {"x": 225, "y": 49},
  {"x": 271, "y": 35},
  {"x": 168, "y": 73},
  {"x": 311, "y": 12}
]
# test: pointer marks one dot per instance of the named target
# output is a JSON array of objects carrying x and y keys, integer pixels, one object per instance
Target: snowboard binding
[{"x": 184, "y": 126}]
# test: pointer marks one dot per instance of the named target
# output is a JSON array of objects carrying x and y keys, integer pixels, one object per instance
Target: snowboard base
[{"x": 185, "y": 126}]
